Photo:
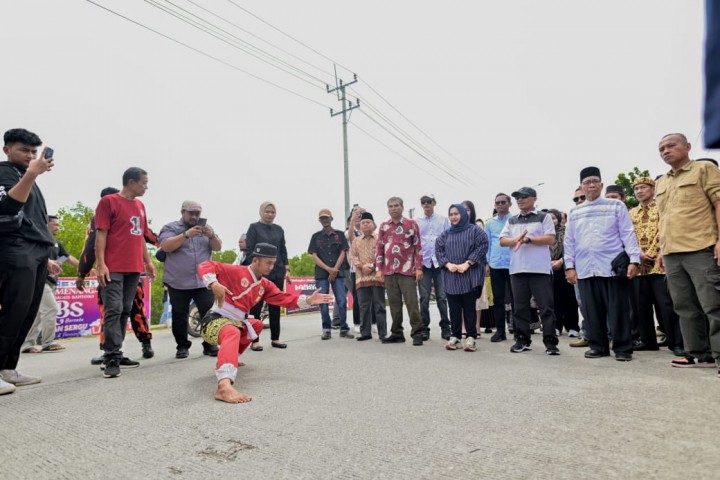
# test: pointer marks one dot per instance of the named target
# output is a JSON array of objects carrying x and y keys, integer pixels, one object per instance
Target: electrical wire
[{"x": 205, "y": 54}]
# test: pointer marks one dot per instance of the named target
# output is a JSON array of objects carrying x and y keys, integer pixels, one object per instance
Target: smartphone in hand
[
  {"x": 49, "y": 152},
  {"x": 202, "y": 222}
]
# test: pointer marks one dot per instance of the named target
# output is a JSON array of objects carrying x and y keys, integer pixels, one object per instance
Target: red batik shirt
[{"x": 399, "y": 251}]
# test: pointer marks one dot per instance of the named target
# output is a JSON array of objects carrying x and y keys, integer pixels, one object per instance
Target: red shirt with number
[{"x": 126, "y": 225}]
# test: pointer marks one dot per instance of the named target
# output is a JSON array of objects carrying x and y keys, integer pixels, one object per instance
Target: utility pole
[{"x": 346, "y": 107}]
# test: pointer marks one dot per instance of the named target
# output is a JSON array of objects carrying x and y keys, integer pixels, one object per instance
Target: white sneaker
[
  {"x": 374, "y": 329},
  {"x": 573, "y": 333},
  {"x": 452, "y": 344},
  {"x": 17, "y": 378},
  {"x": 356, "y": 329},
  {"x": 470, "y": 345},
  {"x": 6, "y": 387}
]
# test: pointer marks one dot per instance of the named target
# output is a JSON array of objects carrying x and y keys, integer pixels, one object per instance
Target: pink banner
[
  {"x": 79, "y": 314},
  {"x": 306, "y": 286}
]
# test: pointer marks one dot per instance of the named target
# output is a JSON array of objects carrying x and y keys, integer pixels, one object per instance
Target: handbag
[
  {"x": 620, "y": 264},
  {"x": 11, "y": 223}
]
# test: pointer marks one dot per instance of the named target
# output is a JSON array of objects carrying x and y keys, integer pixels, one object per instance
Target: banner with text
[{"x": 306, "y": 286}]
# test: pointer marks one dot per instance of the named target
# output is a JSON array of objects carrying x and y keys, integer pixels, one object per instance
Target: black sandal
[
  {"x": 278, "y": 344},
  {"x": 255, "y": 347}
]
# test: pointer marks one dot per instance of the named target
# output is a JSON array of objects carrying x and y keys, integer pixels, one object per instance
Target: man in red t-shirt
[{"x": 121, "y": 256}]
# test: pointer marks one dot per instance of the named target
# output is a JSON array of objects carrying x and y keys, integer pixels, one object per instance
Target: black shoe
[
  {"x": 679, "y": 352},
  {"x": 418, "y": 340},
  {"x": 393, "y": 339},
  {"x": 182, "y": 352},
  {"x": 147, "y": 350},
  {"x": 488, "y": 330},
  {"x": 97, "y": 360},
  {"x": 520, "y": 346},
  {"x": 596, "y": 354},
  {"x": 643, "y": 347},
  {"x": 347, "y": 334},
  {"x": 364, "y": 337},
  {"x": 623, "y": 357},
  {"x": 551, "y": 350},
  {"x": 210, "y": 350},
  {"x": 112, "y": 369},
  {"x": 326, "y": 336},
  {"x": 498, "y": 338},
  {"x": 445, "y": 334},
  {"x": 335, "y": 327},
  {"x": 425, "y": 337},
  {"x": 125, "y": 362}
]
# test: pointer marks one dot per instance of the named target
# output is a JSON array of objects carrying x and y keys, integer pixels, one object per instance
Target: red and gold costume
[{"x": 227, "y": 326}]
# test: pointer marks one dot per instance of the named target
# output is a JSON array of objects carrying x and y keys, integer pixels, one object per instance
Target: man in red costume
[{"x": 237, "y": 289}]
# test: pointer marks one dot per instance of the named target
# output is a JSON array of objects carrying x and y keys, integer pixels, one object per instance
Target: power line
[
  {"x": 330, "y": 74},
  {"x": 355, "y": 125},
  {"x": 201, "y": 52},
  {"x": 232, "y": 43},
  {"x": 461, "y": 180}
]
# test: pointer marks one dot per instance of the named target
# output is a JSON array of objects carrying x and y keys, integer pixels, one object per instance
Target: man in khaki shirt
[
  {"x": 650, "y": 287},
  {"x": 688, "y": 199}
]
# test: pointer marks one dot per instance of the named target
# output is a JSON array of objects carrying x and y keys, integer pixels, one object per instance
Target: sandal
[
  {"x": 255, "y": 347},
  {"x": 35, "y": 349},
  {"x": 277, "y": 344},
  {"x": 53, "y": 347}
]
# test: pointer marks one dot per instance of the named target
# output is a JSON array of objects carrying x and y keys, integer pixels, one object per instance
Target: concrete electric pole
[{"x": 346, "y": 107}]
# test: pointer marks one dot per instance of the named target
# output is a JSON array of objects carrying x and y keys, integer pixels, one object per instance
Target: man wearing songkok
[
  {"x": 237, "y": 289},
  {"x": 601, "y": 255}
]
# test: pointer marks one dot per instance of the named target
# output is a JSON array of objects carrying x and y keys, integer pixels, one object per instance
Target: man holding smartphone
[
  {"x": 24, "y": 249},
  {"x": 187, "y": 243}
]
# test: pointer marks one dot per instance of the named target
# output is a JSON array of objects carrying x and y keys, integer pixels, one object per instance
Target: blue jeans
[{"x": 338, "y": 287}]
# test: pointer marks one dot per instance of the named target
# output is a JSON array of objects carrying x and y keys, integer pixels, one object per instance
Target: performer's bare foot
[
  {"x": 241, "y": 364},
  {"x": 227, "y": 393}
]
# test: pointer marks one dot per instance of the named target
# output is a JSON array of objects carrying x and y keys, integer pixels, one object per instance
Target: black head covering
[{"x": 589, "y": 172}]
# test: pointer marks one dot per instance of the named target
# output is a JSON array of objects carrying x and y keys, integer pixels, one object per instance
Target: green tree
[
  {"x": 626, "y": 182},
  {"x": 302, "y": 265},
  {"x": 74, "y": 222},
  {"x": 224, "y": 256}
]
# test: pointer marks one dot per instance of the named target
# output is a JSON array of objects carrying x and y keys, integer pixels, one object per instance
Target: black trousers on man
[
  {"x": 652, "y": 291},
  {"x": 180, "y": 301},
  {"x": 606, "y": 303},
  {"x": 539, "y": 286},
  {"x": 23, "y": 271},
  {"x": 566, "y": 307},
  {"x": 499, "y": 279}
]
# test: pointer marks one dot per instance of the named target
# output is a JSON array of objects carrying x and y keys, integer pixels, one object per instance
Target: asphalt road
[{"x": 345, "y": 409}]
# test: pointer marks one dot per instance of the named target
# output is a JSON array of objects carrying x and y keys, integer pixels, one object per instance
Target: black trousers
[
  {"x": 651, "y": 291},
  {"x": 566, "y": 307},
  {"x": 605, "y": 303},
  {"x": 540, "y": 286},
  {"x": 273, "y": 311},
  {"x": 180, "y": 301},
  {"x": 499, "y": 281},
  {"x": 461, "y": 305},
  {"x": 23, "y": 271}
]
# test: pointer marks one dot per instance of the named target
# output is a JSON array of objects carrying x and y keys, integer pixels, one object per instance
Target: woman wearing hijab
[
  {"x": 460, "y": 251},
  {"x": 267, "y": 231}
]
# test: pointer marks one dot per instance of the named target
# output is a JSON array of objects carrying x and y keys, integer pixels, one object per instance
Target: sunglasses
[
  {"x": 581, "y": 198},
  {"x": 522, "y": 197},
  {"x": 324, "y": 218},
  {"x": 501, "y": 202},
  {"x": 426, "y": 202}
]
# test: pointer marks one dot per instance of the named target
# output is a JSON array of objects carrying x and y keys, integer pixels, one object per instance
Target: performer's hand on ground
[
  {"x": 317, "y": 298},
  {"x": 219, "y": 291},
  {"x": 227, "y": 393}
]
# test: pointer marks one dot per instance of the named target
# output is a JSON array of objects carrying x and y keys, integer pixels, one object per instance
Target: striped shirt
[
  {"x": 457, "y": 248},
  {"x": 529, "y": 258}
]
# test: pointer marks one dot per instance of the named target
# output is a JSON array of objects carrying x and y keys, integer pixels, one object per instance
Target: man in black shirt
[
  {"x": 328, "y": 248},
  {"x": 24, "y": 249}
]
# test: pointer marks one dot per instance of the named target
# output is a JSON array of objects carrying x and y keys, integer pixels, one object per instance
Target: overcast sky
[{"x": 507, "y": 94}]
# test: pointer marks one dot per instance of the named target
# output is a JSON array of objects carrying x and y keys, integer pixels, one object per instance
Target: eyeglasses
[
  {"x": 581, "y": 198},
  {"x": 501, "y": 202},
  {"x": 522, "y": 197},
  {"x": 324, "y": 217},
  {"x": 591, "y": 181},
  {"x": 426, "y": 202}
]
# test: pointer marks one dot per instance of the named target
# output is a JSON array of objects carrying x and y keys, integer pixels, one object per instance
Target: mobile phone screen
[
  {"x": 202, "y": 222},
  {"x": 49, "y": 152}
]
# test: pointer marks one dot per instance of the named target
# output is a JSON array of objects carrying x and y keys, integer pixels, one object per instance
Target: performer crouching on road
[{"x": 237, "y": 289}]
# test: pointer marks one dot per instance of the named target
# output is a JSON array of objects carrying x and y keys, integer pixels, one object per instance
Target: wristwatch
[
  {"x": 528, "y": 240},
  {"x": 186, "y": 235}
]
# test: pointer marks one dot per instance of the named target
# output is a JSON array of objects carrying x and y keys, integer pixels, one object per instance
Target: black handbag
[
  {"x": 620, "y": 264},
  {"x": 11, "y": 223}
]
